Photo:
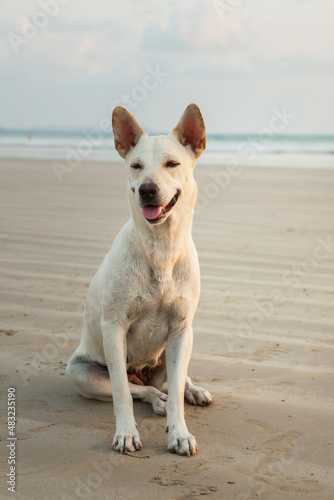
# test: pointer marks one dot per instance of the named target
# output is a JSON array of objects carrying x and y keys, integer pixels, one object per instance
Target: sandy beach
[{"x": 263, "y": 346}]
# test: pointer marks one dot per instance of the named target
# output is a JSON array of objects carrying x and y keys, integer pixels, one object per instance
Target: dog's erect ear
[
  {"x": 127, "y": 130},
  {"x": 191, "y": 130}
]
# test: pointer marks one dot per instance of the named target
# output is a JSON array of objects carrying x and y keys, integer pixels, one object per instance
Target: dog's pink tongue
[{"x": 151, "y": 212}]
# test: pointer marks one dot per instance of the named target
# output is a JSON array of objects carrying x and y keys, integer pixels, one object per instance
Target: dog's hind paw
[
  {"x": 198, "y": 396},
  {"x": 124, "y": 442},
  {"x": 159, "y": 403}
]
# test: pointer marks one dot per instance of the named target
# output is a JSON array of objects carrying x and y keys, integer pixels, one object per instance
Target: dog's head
[{"x": 160, "y": 167}]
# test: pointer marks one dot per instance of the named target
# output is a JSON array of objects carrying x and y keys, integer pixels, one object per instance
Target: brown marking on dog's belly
[{"x": 143, "y": 376}]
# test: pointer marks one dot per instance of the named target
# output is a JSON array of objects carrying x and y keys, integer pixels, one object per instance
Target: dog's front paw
[
  {"x": 198, "y": 396},
  {"x": 126, "y": 441},
  {"x": 181, "y": 441}
]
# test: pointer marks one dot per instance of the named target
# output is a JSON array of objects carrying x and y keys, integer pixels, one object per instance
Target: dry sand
[{"x": 263, "y": 337}]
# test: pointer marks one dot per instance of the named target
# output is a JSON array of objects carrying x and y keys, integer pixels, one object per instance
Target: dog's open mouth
[{"x": 154, "y": 213}]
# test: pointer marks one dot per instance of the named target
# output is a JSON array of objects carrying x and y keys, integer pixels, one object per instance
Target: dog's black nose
[{"x": 148, "y": 191}]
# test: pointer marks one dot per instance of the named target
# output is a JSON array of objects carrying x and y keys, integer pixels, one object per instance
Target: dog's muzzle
[{"x": 153, "y": 211}]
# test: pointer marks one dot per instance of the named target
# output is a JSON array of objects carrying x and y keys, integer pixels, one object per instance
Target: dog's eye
[
  {"x": 136, "y": 166},
  {"x": 172, "y": 163}
]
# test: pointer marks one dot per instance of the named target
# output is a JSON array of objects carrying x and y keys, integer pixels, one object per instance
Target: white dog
[{"x": 137, "y": 329}]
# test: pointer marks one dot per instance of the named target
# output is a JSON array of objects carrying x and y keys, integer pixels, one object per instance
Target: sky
[{"x": 67, "y": 63}]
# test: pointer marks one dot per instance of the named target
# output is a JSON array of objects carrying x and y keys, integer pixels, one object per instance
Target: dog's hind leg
[
  {"x": 151, "y": 395},
  {"x": 92, "y": 381},
  {"x": 195, "y": 395},
  {"x": 90, "y": 378}
]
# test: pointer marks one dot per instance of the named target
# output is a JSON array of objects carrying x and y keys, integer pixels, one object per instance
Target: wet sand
[{"x": 264, "y": 336}]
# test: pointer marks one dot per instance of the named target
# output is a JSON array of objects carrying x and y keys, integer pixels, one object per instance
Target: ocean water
[{"x": 93, "y": 144}]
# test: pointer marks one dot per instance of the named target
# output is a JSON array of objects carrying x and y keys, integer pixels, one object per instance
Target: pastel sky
[{"x": 237, "y": 59}]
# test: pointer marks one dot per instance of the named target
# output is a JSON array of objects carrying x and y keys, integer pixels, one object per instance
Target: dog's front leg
[
  {"x": 178, "y": 350},
  {"x": 114, "y": 342}
]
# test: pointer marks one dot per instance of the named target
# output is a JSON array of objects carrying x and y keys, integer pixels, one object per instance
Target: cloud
[
  {"x": 197, "y": 28},
  {"x": 85, "y": 57}
]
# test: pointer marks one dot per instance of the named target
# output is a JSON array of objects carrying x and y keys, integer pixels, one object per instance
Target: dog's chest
[{"x": 153, "y": 315}]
